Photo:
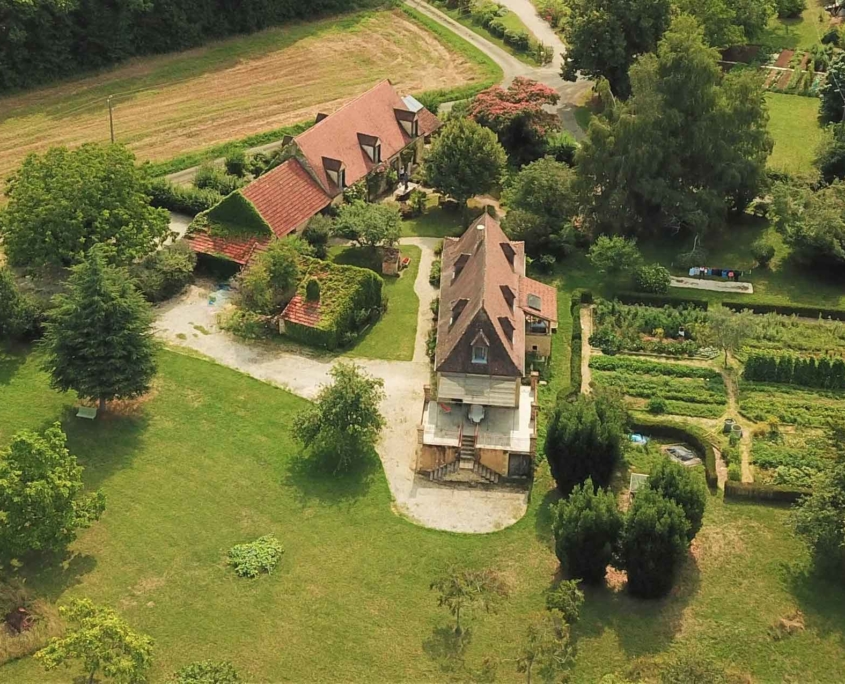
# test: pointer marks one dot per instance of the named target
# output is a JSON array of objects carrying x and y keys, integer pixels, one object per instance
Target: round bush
[
  {"x": 763, "y": 252},
  {"x": 657, "y": 406},
  {"x": 312, "y": 290},
  {"x": 653, "y": 278}
]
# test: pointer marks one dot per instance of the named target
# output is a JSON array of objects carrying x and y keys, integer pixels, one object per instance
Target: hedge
[
  {"x": 822, "y": 372},
  {"x": 788, "y": 310},
  {"x": 766, "y": 493},
  {"x": 183, "y": 199},
  {"x": 575, "y": 349},
  {"x": 684, "y": 433},
  {"x": 660, "y": 300}
]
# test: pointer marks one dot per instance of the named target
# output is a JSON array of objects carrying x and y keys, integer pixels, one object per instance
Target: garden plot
[
  {"x": 790, "y": 456},
  {"x": 790, "y": 404},
  {"x": 669, "y": 330},
  {"x": 776, "y": 332},
  {"x": 657, "y": 387}
]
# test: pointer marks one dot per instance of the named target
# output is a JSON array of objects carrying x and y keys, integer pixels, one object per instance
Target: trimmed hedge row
[
  {"x": 823, "y": 372},
  {"x": 575, "y": 349},
  {"x": 647, "y": 367},
  {"x": 660, "y": 300},
  {"x": 788, "y": 310},
  {"x": 765, "y": 493},
  {"x": 683, "y": 433}
]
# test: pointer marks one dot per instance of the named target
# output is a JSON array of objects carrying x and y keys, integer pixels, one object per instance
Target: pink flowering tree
[{"x": 519, "y": 115}]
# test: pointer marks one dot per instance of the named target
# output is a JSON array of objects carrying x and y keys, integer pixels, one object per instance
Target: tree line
[{"x": 43, "y": 40}]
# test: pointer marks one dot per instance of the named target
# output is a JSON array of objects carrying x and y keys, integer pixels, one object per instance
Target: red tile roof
[
  {"x": 300, "y": 310},
  {"x": 547, "y": 295},
  {"x": 239, "y": 250},
  {"x": 336, "y": 136},
  {"x": 428, "y": 122},
  {"x": 286, "y": 197}
]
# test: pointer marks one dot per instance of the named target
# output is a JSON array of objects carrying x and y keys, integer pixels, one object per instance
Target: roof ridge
[{"x": 345, "y": 105}]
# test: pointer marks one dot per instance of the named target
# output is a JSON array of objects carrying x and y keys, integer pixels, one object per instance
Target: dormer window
[
  {"x": 335, "y": 171},
  {"x": 371, "y": 146},
  {"x": 409, "y": 122},
  {"x": 479, "y": 353},
  {"x": 534, "y": 302}
]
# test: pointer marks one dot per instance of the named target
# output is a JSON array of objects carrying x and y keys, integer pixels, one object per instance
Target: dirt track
[{"x": 231, "y": 89}]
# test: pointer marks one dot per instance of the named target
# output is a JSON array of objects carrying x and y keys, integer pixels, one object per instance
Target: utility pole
[{"x": 111, "y": 120}]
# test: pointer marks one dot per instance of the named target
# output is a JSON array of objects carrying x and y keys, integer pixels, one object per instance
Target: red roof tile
[
  {"x": 239, "y": 250},
  {"x": 428, "y": 122},
  {"x": 372, "y": 114},
  {"x": 300, "y": 310},
  {"x": 286, "y": 197},
  {"x": 547, "y": 295}
]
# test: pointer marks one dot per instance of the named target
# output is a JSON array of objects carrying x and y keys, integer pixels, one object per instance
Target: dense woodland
[{"x": 42, "y": 40}]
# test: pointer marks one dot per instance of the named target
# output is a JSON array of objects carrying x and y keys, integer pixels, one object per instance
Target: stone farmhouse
[
  {"x": 480, "y": 420},
  {"x": 370, "y": 134}
]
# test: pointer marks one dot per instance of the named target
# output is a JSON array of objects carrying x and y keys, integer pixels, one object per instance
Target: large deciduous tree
[
  {"x": 99, "y": 340},
  {"x": 542, "y": 203},
  {"x": 729, "y": 22},
  {"x": 604, "y": 37},
  {"x": 42, "y": 504},
  {"x": 63, "y": 203},
  {"x": 728, "y": 330},
  {"x": 819, "y": 520},
  {"x": 812, "y": 222},
  {"x": 369, "y": 225},
  {"x": 654, "y": 544},
  {"x": 584, "y": 440},
  {"x": 465, "y": 160},
  {"x": 100, "y": 642},
  {"x": 689, "y": 146},
  {"x": 344, "y": 423},
  {"x": 587, "y": 526},
  {"x": 518, "y": 116}
]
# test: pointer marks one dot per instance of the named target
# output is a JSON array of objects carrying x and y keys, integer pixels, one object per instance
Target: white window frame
[{"x": 477, "y": 358}]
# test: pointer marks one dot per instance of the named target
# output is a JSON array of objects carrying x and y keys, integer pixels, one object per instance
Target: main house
[
  {"x": 367, "y": 135},
  {"x": 481, "y": 417}
]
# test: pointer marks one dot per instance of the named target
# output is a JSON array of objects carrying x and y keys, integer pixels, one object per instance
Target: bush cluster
[
  {"x": 262, "y": 555},
  {"x": 824, "y": 372},
  {"x": 653, "y": 278},
  {"x": 183, "y": 199},
  {"x": 211, "y": 177},
  {"x": 165, "y": 273},
  {"x": 21, "y": 317}
]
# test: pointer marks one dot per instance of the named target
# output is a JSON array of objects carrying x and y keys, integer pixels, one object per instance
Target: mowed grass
[
  {"x": 801, "y": 32},
  {"x": 393, "y": 336},
  {"x": 207, "y": 462},
  {"x": 167, "y": 105},
  {"x": 794, "y": 126}
]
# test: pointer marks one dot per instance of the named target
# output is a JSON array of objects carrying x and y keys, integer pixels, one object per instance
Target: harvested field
[{"x": 168, "y": 105}]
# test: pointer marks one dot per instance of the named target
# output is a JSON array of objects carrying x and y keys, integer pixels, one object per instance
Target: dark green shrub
[
  {"x": 258, "y": 163},
  {"x": 566, "y": 598},
  {"x": 790, "y": 9},
  {"x": 653, "y": 278},
  {"x": 312, "y": 290},
  {"x": 262, "y": 555},
  {"x": 236, "y": 163},
  {"x": 166, "y": 273},
  {"x": 317, "y": 234},
  {"x": 787, "y": 310},
  {"x": 434, "y": 274},
  {"x": 562, "y": 146},
  {"x": 497, "y": 28},
  {"x": 21, "y": 317},
  {"x": 183, "y": 199},
  {"x": 212, "y": 177},
  {"x": 657, "y": 406},
  {"x": 587, "y": 526},
  {"x": 657, "y": 300},
  {"x": 675, "y": 482},
  {"x": 763, "y": 253},
  {"x": 654, "y": 544},
  {"x": 584, "y": 440}
]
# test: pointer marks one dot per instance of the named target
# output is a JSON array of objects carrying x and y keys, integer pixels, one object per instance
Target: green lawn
[
  {"x": 207, "y": 462},
  {"x": 803, "y": 32},
  {"x": 392, "y": 337},
  {"x": 511, "y": 21},
  {"x": 794, "y": 125}
]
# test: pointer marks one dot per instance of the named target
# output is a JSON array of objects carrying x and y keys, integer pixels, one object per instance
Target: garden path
[
  {"x": 586, "y": 349},
  {"x": 190, "y": 321},
  {"x": 425, "y": 292}
]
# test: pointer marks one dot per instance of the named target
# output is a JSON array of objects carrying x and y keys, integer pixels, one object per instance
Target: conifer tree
[{"x": 99, "y": 339}]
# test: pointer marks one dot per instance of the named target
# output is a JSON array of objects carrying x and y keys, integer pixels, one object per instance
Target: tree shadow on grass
[
  {"x": 819, "y": 597},
  {"x": 50, "y": 576},
  {"x": 643, "y": 627},
  {"x": 104, "y": 445},
  {"x": 447, "y": 648},
  {"x": 11, "y": 360},
  {"x": 314, "y": 480},
  {"x": 544, "y": 517}
]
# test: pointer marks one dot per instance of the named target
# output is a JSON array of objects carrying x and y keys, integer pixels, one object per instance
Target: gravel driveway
[{"x": 191, "y": 321}]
